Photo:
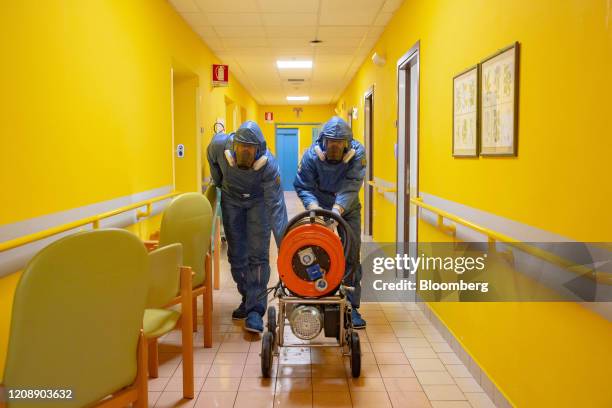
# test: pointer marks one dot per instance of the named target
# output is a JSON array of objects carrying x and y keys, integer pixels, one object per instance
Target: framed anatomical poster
[
  {"x": 499, "y": 103},
  {"x": 465, "y": 113}
]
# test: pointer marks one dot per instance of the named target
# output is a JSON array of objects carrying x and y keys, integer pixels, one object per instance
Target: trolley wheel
[
  {"x": 272, "y": 320},
  {"x": 355, "y": 355},
  {"x": 267, "y": 342}
]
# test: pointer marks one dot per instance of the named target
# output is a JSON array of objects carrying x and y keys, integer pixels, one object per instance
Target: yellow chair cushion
[{"x": 157, "y": 322}]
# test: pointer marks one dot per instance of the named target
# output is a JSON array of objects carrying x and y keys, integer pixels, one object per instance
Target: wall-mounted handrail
[
  {"x": 93, "y": 220},
  {"x": 381, "y": 189},
  {"x": 494, "y": 236}
]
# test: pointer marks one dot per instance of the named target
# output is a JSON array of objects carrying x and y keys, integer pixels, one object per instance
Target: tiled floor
[{"x": 405, "y": 363}]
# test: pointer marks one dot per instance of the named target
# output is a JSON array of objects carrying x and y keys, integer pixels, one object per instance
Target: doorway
[
  {"x": 408, "y": 148},
  {"x": 186, "y": 135},
  {"x": 287, "y": 155},
  {"x": 368, "y": 116}
]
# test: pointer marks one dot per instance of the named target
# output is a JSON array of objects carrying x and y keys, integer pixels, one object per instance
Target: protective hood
[
  {"x": 335, "y": 128},
  {"x": 250, "y": 133}
]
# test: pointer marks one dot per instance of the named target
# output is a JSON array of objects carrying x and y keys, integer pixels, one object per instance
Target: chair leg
[
  {"x": 217, "y": 254},
  {"x": 207, "y": 302},
  {"x": 142, "y": 381},
  {"x": 153, "y": 358},
  {"x": 2, "y": 396},
  {"x": 187, "y": 333},
  {"x": 194, "y": 314}
]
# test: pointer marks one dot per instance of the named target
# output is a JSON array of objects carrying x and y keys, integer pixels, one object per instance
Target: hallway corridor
[{"x": 405, "y": 363}]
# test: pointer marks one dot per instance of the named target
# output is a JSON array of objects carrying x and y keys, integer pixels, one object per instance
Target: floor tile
[
  {"x": 295, "y": 384},
  {"x": 391, "y": 358},
  {"x": 458, "y": 371},
  {"x": 216, "y": 399},
  {"x": 479, "y": 400},
  {"x": 402, "y": 384},
  {"x": 257, "y": 384},
  {"x": 230, "y": 358},
  {"x": 331, "y": 399},
  {"x": 409, "y": 399},
  {"x": 426, "y": 364},
  {"x": 443, "y": 392},
  {"x": 329, "y": 384},
  {"x": 386, "y": 347},
  {"x": 221, "y": 384},
  {"x": 450, "y": 404},
  {"x": 225, "y": 370},
  {"x": 366, "y": 384},
  {"x": 254, "y": 371},
  {"x": 293, "y": 370},
  {"x": 158, "y": 384},
  {"x": 254, "y": 399},
  {"x": 173, "y": 399},
  {"x": 396, "y": 370},
  {"x": 449, "y": 358},
  {"x": 434, "y": 378},
  {"x": 420, "y": 352},
  {"x": 293, "y": 400},
  {"x": 441, "y": 347},
  {"x": 370, "y": 399},
  {"x": 328, "y": 370},
  {"x": 176, "y": 384},
  {"x": 468, "y": 384}
]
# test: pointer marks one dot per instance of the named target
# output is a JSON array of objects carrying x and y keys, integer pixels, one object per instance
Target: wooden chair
[
  {"x": 188, "y": 221},
  {"x": 212, "y": 193},
  {"x": 170, "y": 284},
  {"x": 77, "y": 322}
]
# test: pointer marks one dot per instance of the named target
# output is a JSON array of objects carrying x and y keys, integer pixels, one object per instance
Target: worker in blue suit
[
  {"x": 252, "y": 204},
  {"x": 330, "y": 176}
]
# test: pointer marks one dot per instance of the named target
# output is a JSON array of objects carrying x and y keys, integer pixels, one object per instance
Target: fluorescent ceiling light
[
  {"x": 294, "y": 64},
  {"x": 298, "y": 98}
]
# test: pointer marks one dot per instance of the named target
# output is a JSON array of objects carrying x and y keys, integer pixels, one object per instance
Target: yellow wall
[
  {"x": 285, "y": 114},
  {"x": 555, "y": 183},
  {"x": 87, "y": 100},
  {"x": 562, "y": 116},
  {"x": 86, "y": 106}
]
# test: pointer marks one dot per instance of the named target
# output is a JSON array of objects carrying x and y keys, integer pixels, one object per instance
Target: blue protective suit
[
  {"x": 321, "y": 183},
  {"x": 252, "y": 204}
]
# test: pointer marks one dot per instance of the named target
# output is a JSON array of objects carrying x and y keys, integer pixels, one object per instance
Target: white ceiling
[{"x": 250, "y": 35}]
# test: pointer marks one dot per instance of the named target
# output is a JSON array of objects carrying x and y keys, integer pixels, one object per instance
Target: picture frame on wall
[
  {"x": 465, "y": 113},
  {"x": 499, "y": 85}
]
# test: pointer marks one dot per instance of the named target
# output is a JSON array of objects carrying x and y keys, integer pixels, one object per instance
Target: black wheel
[
  {"x": 266, "y": 354},
  {"x": 272, "y": 320},
  {"x": 355, "y": 355}
]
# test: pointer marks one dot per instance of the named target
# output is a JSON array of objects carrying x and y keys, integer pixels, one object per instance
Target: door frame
[
  {"x": 404, "y": 64},
  {"x": 368, "y": 194},
  {"x": 297, "y": 133}
]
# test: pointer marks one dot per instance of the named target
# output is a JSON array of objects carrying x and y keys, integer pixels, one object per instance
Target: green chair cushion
[{"x": 157, "y": 322}]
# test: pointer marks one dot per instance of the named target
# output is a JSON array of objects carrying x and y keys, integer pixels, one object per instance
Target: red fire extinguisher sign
[{"x": 220, "y": 75}]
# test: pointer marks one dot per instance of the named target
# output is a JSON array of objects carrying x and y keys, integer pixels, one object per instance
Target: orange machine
[
  {"x": 313, "y": 289},
  {"x": 311, "y": 261}
]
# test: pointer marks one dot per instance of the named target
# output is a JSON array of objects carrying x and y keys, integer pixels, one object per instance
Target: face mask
[
  {"x": 334, "y": 150},
  {"x": 245, "y": 155}
]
